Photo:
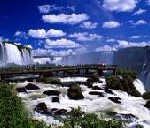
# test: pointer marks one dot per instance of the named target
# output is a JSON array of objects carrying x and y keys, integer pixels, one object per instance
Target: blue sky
[{"x": 62, "y": 27}]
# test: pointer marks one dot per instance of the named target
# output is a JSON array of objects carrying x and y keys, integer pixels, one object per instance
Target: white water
[
  {"x": 129, "y": 105},
  {"x": 139, "y": 86},
  {"x": 13, "y": 55},
  {"x": 10, "y": 54}
]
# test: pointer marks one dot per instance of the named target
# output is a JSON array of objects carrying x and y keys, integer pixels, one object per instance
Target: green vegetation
[
  {"x": 93, "y": 78},
  {"x": 146, "y": 95},
  {"x": 126, "y": 73},
  {"x": 12, "y": 112},
  {"x": 135, "y": 93},
  {"x": 113, "y": 82},
  {"x": 123, "y": 81},
  {"x": 52, "y": 80},
  {"x": 75, "y": 92},
  {"x": 77, "y": 119}
]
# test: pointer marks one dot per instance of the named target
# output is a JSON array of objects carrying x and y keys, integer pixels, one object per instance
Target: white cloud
[
  {"x": 80, "y": 50},
  {"x": 89, "y": 25},
  {"x": 64, "y": 18},
  {"x": 3, "y": 39},
  {"x": 17, "y": 33},
  {"x": 138, "y": 36},
  {"x": 55, "y": 33},
  {"x": 140, "y": 11},
  {"x": 85, "y": 36},
  {"x": 51, "y": 52},
  {"x": 20, "y": 34},
  {"x": 110, "y": 40},
  {"x": 42, "y": 33},
  {"x": 121, "y": 44},
  {"x": 105, "y": 48},
  {"x": 44, "y": 8},
  {"x": 135, "y": 37},
  {"x": 60, "y": 43},
  {"x": 48, "y": 8},
  {"x": 140, "y": 22},
  {"x": 39, "y": 33},
  {"x": 111, "y": 24},
  {"x": 62, "y": 52},
  {"x": 124, "y": 44},
  {"x": 120, "y": 5},
  {"x": 42, "y": 52}
]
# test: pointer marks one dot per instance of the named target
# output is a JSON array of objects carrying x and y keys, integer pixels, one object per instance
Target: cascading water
[
  {"x": 27, "y": 59},
  {"x": 11, "y": 54},
  {"x": 2, "y": 54}
]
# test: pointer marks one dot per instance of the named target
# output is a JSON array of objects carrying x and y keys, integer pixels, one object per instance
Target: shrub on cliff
[
  {"x": 113, "y": 82},
  {"x": 126, "y": 73},
  {"x": 135, "y": 93},
  {"x": 93, "y": 78},
  {"x": 146, "y": 95}
]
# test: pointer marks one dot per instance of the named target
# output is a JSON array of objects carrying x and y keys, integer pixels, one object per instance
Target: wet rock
[
  {"x": 55, "y": 99},
  {"x": 109, "y": 91},
  {"x": 96, "y": 93},
  {"x": 21, "y": 89},
  {"x": 31, "y": 86},
  {"x": 100, "y": 81},
  {"x": 41, "y": 108},
  {"x": 75, "y": 92},
  {"x": 51, "y": 92},
  {"x": 96, "y": 88},
  {"x": 54, "y": 109},
  {"x": 61, "y": 112},
  {"x": 147, "y": 105},
  {"x": 126, "y": 117},
  {"x": 88, "y": 84},
  {"x": 115, "y": 99}
]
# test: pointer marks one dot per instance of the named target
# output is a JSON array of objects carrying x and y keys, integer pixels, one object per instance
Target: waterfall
[
  {"x": 2, "y": 54},
  {"x": 11, "y": 54},
  {"x": 27, "y": 59}
]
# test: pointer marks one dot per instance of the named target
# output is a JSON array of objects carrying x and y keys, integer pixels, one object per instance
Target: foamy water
[{"x": 90, "y": 103}]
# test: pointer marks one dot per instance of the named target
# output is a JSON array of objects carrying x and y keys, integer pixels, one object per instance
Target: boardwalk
[{"x": 78, "y": 68}]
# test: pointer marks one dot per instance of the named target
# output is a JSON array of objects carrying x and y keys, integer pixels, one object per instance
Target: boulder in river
[
  {"x": 75, "y": 92},
  {"x": 61, "y": 112},
  {"x": 51, "y": 92},
  {"x": 21, "y": 89},
  {"x": 115, "y": 99},
  {"x": 100, "y": 94},
  {"x": 55, "y": 99},
  {"x": 31, "y": 86},
  {"x": 41, "y": 108}
]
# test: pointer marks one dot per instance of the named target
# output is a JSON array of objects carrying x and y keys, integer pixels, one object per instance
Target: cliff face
[
  {"x": 132, "y": 57},
  {"x": 136, "y": 59}
]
